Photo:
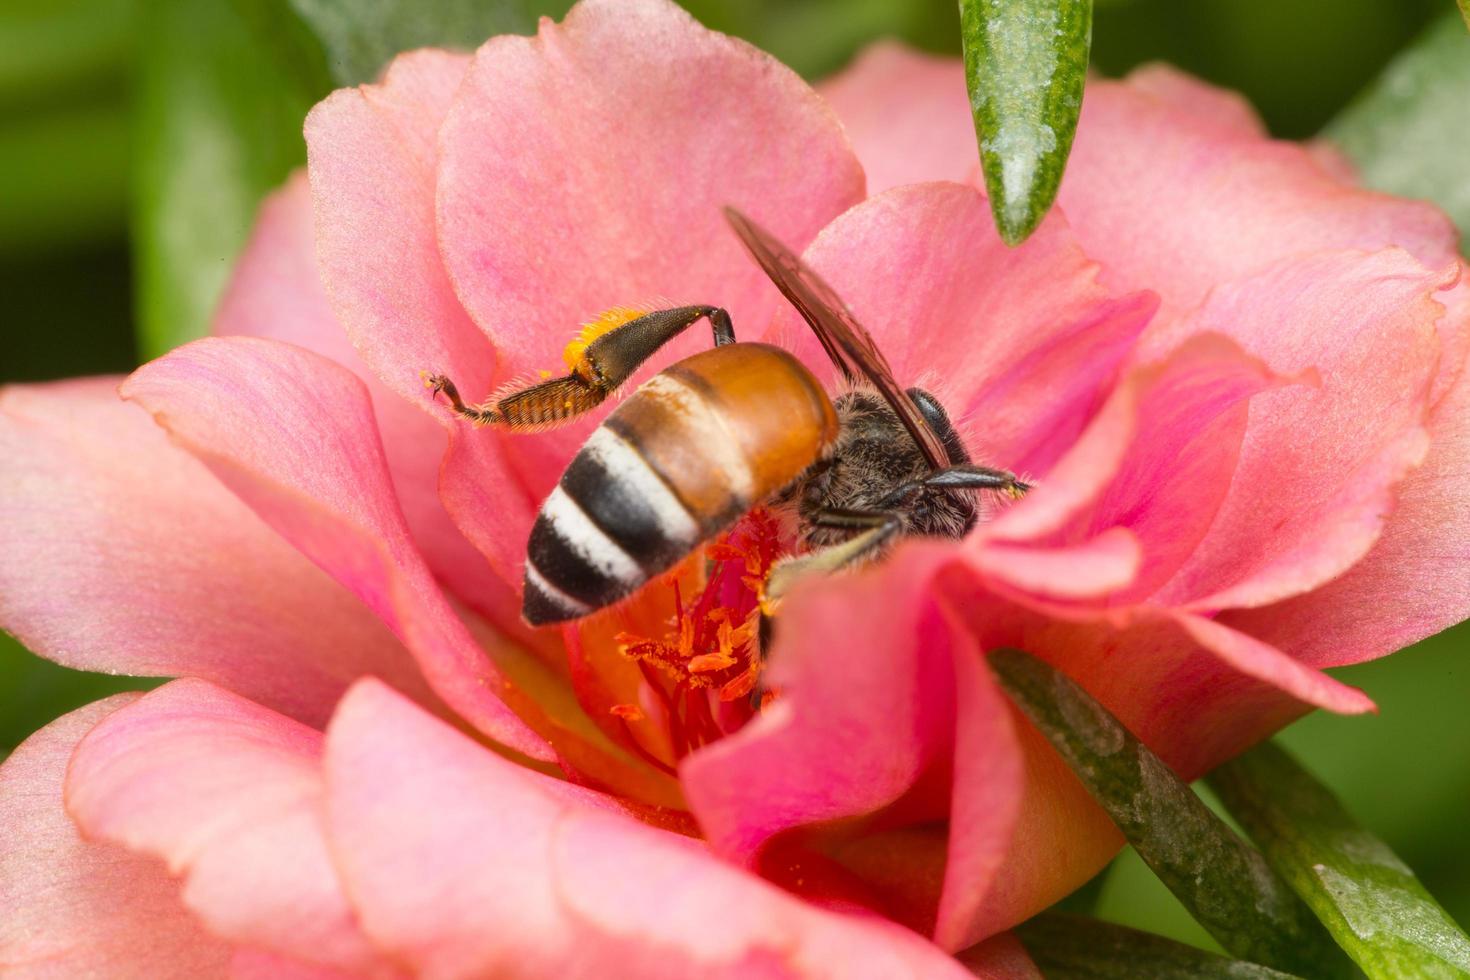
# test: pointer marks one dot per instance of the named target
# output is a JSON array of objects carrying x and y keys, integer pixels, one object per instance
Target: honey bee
[{"x": 714, "y": 435}]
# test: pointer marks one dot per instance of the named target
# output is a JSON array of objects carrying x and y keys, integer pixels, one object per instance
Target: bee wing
[{"x": 846, "y": 342}]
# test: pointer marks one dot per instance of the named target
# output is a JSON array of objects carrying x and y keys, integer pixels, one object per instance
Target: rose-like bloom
[{"x": 1235, "y": 379}]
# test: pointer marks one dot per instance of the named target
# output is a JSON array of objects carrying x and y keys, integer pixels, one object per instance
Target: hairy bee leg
[
  {"x": 607, "y": 362},
  {"x": 612, "y": 358},
  {"x": 964, "y": 477}
]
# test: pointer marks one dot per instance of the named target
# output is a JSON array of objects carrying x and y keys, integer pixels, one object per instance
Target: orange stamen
[{"x": 709, "y": 659}]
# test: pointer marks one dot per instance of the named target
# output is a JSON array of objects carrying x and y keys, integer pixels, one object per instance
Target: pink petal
[
  {"x": 229, "y": 794},
  {"x": 1407, "y": 587},
  {"x": 1218, "y": 202},
  {"x": 292, "y": 434},
  {"x": 1318, "y": 464},
  {"x": 1263, "y": 661},
  {"x": 119, "y": 552},
  {"x": 75, "y": 908},
  {"x": 511, "y": 876},
  {"x": 372, "y": 157},
  {"x": 1208, "y": 107},
  {"x": 1166, "y": 426},
  {"x": 1157, "y": 461},
  {"x": 586, "y": 168},
  {"x": 1097, "y": 568},
  {"x": 907, "y": 114},
  {"x": 277, "y": 293},
  {"x": 1021, "y": 344},
  {"x": 877, "y": 692}
]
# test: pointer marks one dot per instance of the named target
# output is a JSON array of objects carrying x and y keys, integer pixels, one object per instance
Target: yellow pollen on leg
[{"x": 604, "y": 322}]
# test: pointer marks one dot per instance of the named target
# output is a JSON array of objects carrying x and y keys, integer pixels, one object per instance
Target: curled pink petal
[
  {"x": 1102, "y": 566},
  {"x": 292, "y": 434},
  {"x": 907, "y": 703},
  {"x": 121, "y": 553},
  {"x": 695, "y": 121},
  {"x": 1260, "y": 660},
  {"x": 1113, "y": 474},
  {"x": 382, "y": 271},
  {"x": 1318, "y": 463},
  {"x": 1401, "y": 591},
  {"x": 229, "y": 794},
  {"x": 514, "y": 876},
  {"x": 1218, "y": 201},
  {"x": 1020, "y": 344},
  {"x": 76, "y": 908},
  {"x": 277, "y": 293}
]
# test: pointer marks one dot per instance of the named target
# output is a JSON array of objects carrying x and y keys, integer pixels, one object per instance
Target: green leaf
[
  {"x": 1224, "y": 882},
  {"x": 1026, "y": 66},
  {"x": 1409, "y": 133},
  {"x": 218, "y": 124},
  {"x": 1075, "y": 947},
  {"x": 1465, "y": 11},
  {"x": 360, "y": 37},
  {"x": 1369, "y": 900}
]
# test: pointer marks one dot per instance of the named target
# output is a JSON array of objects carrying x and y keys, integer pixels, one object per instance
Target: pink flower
[{"x": 1235, "y": 379}]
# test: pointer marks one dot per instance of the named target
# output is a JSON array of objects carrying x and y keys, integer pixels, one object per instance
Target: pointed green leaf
[
  {"x": 1026, "y": 66},
  {"x": 359, "y": 37},
  {"x": 1223, "y": 881},
  {"x": 1465, "y": 11},
  {"x": 1076, "y": 947},
  {"x": 218, "y": 124},
  {"x": 1409, "y": 133},
  {"x": 1369, "y": 900}
]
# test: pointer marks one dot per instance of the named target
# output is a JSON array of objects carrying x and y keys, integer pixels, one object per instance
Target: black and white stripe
[{"x": 610, "y": 525}]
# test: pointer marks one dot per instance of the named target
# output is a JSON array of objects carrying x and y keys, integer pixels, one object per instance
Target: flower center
[{"x": 701, "y": 672}]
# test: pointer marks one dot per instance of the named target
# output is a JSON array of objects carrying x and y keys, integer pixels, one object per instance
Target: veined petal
[
  {"x": 229, "y": 794},
  {"x": 1318, "y": 463},
  {"x": 84, "y": 908},
  {"x": 292, "y": 434},
  {"x": 516, "y": 877},
  {"x": 1219, "y": 202},
  {"x": 1021, "y": 344},
  {"x": 277, "y": 293},
  {"x": 121, "y": 553},
  {"x": 630, "y": 127},
  {"x": 372, "y": 158},
  {"x": 1405, "y": 588}
]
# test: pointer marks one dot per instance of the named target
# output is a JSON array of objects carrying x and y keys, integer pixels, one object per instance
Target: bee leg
[
  {"x": 602, "y": 368},
  {"x": 966, "y": 476},
  {"x": 875, "y": 529},
  {"x": 612, "y": 358}
]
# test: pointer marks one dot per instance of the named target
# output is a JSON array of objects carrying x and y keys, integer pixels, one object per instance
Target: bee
[{"x": 714, "y": 435}]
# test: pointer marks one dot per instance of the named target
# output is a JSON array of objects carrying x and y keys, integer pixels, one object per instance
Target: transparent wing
[{"x": 847, "y": 343}]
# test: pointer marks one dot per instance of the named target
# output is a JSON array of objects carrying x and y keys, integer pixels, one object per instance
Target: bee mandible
[{"x": 709, "y": 438}]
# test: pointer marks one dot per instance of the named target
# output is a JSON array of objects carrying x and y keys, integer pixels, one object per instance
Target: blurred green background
[{"x": 136, "y": 136}]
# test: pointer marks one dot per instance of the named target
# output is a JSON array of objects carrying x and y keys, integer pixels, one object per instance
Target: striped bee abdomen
[{"x": 678, "y": 462}]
